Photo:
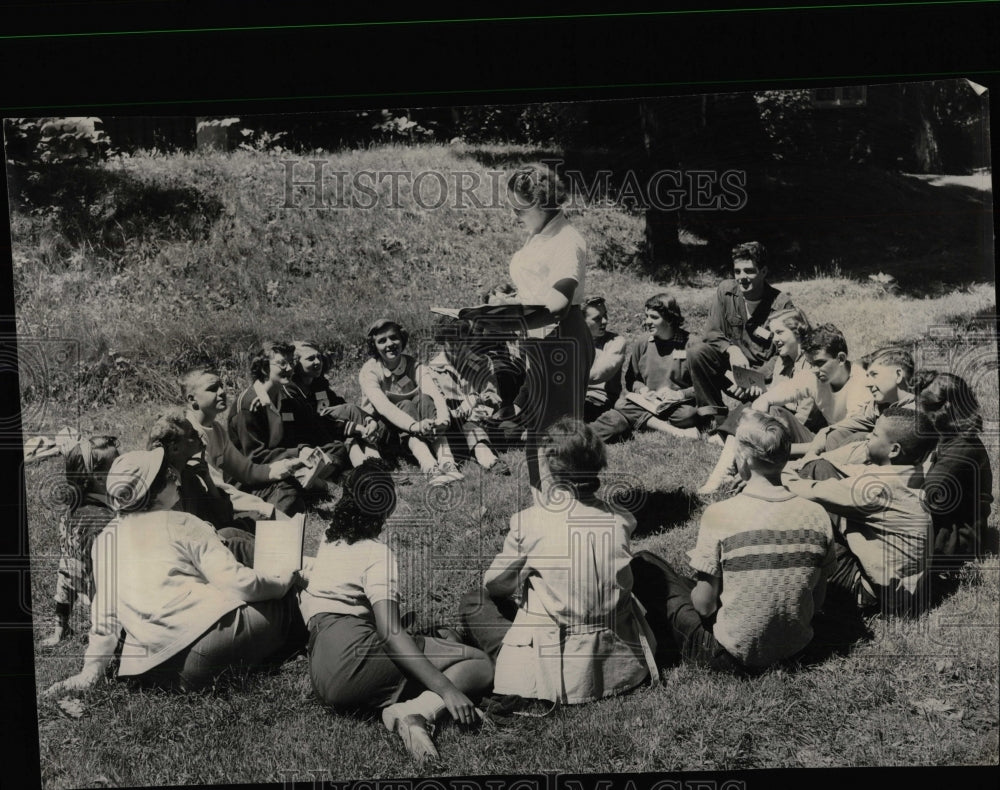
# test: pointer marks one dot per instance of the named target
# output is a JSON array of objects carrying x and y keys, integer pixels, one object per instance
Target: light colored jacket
[
  {"x": 166, "y": 578},
  {"x": 577, "y": 635}
]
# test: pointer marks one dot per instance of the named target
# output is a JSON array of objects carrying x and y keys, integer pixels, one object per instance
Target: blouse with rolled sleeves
[
  {"x": 557, "y": 252},
  {"x": 382, "y": 389},
  {"x": 166, "y": 578}
]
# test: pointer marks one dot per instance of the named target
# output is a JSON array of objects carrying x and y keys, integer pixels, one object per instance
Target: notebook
[{"x": 278, "y": 546}]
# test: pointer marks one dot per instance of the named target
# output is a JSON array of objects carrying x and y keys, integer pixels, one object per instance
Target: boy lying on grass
[
  {"x": 87, "y": 512},
  {"x": 761, "y": 558},
  {"x": 883, "y": 529}
]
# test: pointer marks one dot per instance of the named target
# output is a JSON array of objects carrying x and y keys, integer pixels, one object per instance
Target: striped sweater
[{"x": 770, "y": 553}]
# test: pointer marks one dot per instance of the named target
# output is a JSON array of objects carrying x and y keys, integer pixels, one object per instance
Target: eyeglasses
[
  {"x": 594, "y": 300},
  {"x": 282, "y": 363}
]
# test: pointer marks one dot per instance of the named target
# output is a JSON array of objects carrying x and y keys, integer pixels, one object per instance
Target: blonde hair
[
  {"x": 763, "y": 440},
  {"x": 794, "y": 319}
]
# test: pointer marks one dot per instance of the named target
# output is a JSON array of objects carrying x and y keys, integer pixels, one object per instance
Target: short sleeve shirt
[
  {"x": 350, "y": 579},
  {"x": 555, "y": 253}
]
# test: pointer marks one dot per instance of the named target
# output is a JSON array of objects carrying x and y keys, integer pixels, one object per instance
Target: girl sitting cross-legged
[{"x": 401, "y": 394}]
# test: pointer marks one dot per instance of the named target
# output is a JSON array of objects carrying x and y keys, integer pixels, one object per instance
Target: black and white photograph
[{"x": 653, "y": 434}]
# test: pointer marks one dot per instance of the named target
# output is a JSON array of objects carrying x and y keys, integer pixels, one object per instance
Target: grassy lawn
[{"x": 167, "y": 293}]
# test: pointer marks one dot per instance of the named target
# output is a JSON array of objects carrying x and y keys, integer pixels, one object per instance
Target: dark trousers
[
  {"x": 626, "y": 417},
  {"x": 485, "y": 620},
  {"x": 556, "y": 382},
  {"x": 708, "y": 368},
  {"x": 679, "y": 630}
]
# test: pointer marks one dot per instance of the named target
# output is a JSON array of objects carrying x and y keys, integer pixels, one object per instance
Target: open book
[
  {"x": 317, "y": 462},
  {"x": 278, "y": 546},
  {"x": 654, "y": 406},
  {"x": 747, "y": 378}
]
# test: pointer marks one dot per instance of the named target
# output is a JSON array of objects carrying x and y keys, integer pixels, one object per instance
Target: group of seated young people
[{"x": 854, "y": 483}]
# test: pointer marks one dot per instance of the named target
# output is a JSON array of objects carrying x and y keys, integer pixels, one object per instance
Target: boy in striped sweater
[{"x": 761, "y": 561}]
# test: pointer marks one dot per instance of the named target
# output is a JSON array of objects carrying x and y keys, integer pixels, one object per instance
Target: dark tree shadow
[{"x": 108, "y": 209}]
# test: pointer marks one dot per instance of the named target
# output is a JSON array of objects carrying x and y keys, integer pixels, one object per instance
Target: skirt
[{"x": 348, "y": 665}]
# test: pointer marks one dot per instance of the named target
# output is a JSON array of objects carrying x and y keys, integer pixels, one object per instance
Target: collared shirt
[
  {"x": 885, "y": 522},
  {"x": 382, "y": 389},
  {"x": 463, "y": 376},
  {"x": 728, "y": 323},
  {"x": 576, "y": 635},
  {"x": 348, "y": 578},
  {"x": 556, "y": 252}
]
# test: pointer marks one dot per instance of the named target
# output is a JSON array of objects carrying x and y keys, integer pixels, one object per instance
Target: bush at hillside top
[{"x": 46, "y": 141}]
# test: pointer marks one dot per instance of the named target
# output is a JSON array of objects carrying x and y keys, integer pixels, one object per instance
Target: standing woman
[{"x": 549, "y": 270}]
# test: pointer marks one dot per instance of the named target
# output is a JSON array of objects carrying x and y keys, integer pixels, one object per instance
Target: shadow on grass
[
  {"x": 655, "y": 510},
  {"x": 836, "y": 632},
  {"x": 107, "y": 209}
]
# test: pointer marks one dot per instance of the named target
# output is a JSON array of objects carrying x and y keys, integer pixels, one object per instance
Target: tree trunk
[
  {"x": 662, "y": 242},
  {"x": 926, "y": 145}
]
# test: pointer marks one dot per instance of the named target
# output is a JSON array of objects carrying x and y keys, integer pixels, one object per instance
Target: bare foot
[{"x": 414, "y": 731}]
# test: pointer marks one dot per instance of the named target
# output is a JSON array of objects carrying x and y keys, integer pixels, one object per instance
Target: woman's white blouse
[{"x": 555, "y": 253}]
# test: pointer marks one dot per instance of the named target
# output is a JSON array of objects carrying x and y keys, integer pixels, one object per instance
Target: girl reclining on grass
[{"x": 360, "y": 656}]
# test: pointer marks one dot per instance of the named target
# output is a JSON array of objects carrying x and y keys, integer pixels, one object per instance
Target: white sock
[
  {"x": 428, "y": 704},
  {"x": 726, "y": 465},
  {"x": 484, "y": 455},
  {"x": 443, "y": 451},
  {"x": 356, "y": 454}
]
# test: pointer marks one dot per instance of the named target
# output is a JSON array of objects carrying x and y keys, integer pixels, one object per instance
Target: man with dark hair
[
  {"x": 838, "y": 390},
  {"x": 736, "y": 334}
]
